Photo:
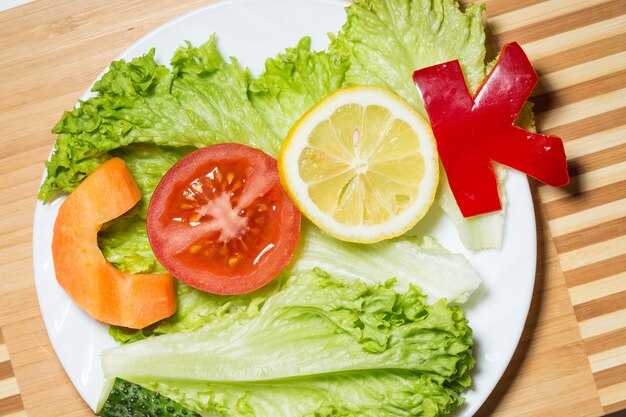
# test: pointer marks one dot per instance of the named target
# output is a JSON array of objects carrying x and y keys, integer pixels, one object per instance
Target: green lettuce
[
  {"x": 148, "y": 163},
  {"x": 411, "y": 260},
  {"x": 214, "y": 93},
  {"x": 358, "y": 340},
  {"x": 201, "y": 102},
  {"x": 373, "y": 393},
  {"x": 319, "y": 333},
  {"x": 386, "y": 41},
  {"x": 133, "y": 104},
  {"x": 477, "y": 232},
  {"x": 293, "y": 82},
  {"x": 124, "y": 243},
  {"x": 204, "y": 99}
]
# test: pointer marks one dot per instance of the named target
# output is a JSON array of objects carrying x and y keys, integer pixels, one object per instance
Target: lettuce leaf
[
  {"x": 345, "y": 342},
  {"x": 133, "y": 105},
  {"x": 323, "y": 334},
  {"x": 477, "y": 232},
  {"x": 386, "y": 41},
  {"x": 293, "y": 82},
  {"x": 412, "y": 260},
  {"x": 151, "y": 116},
  {"x": 205, "y": 99},
  {"x": 372, "y": 393},
  {"x": 214, "y": 93},
  {"x": 202, "y": 102}
]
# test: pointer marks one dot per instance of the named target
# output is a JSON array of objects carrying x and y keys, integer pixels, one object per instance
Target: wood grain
[{"x": 51, "y": 50}]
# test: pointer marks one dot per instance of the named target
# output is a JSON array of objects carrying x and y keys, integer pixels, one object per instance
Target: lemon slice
[{"x": 361, "y": 164}]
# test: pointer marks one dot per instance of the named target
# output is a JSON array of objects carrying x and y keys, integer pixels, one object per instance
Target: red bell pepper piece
[{"x": 472, "y": 132}]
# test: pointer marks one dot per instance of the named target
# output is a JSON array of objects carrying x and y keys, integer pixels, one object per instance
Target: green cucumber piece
[{"x": 125, "y": 399}]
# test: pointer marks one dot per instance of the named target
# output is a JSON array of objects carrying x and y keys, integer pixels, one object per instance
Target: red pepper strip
[{"x": 471, "y": 132}]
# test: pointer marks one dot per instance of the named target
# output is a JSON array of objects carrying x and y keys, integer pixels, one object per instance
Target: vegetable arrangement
[{"x": 274, "y": 316}]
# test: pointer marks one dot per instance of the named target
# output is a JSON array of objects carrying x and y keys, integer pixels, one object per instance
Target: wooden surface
[{"x": 571, "y": 360}]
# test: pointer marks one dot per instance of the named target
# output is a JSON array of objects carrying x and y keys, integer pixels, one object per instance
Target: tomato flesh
[
  {"x": 221, "y": 222},
  {"x": 230, "y": 238}
]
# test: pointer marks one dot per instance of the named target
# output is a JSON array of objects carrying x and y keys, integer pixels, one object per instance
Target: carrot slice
[{"x": 104, "y": 292}]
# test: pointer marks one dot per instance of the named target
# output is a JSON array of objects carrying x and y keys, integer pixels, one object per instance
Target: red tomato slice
[{"x": 220, "y": 221}]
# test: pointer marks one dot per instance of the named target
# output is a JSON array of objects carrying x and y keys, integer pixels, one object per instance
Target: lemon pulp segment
[{"x": 357, "y": 162}]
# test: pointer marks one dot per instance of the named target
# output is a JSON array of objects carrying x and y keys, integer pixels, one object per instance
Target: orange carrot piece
[{"x": 104, "y": 292}]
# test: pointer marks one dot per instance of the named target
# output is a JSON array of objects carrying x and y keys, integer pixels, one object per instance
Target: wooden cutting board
[{"x": 571, "y": 360}]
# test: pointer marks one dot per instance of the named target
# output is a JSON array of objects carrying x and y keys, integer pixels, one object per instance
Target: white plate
[{"x": 253, "y": 30}]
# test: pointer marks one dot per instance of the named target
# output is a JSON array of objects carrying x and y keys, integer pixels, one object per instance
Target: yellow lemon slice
[{"x": 361, "y": 164}]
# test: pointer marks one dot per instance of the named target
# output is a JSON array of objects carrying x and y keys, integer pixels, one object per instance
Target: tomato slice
[{"x": 220, "y": 221}]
